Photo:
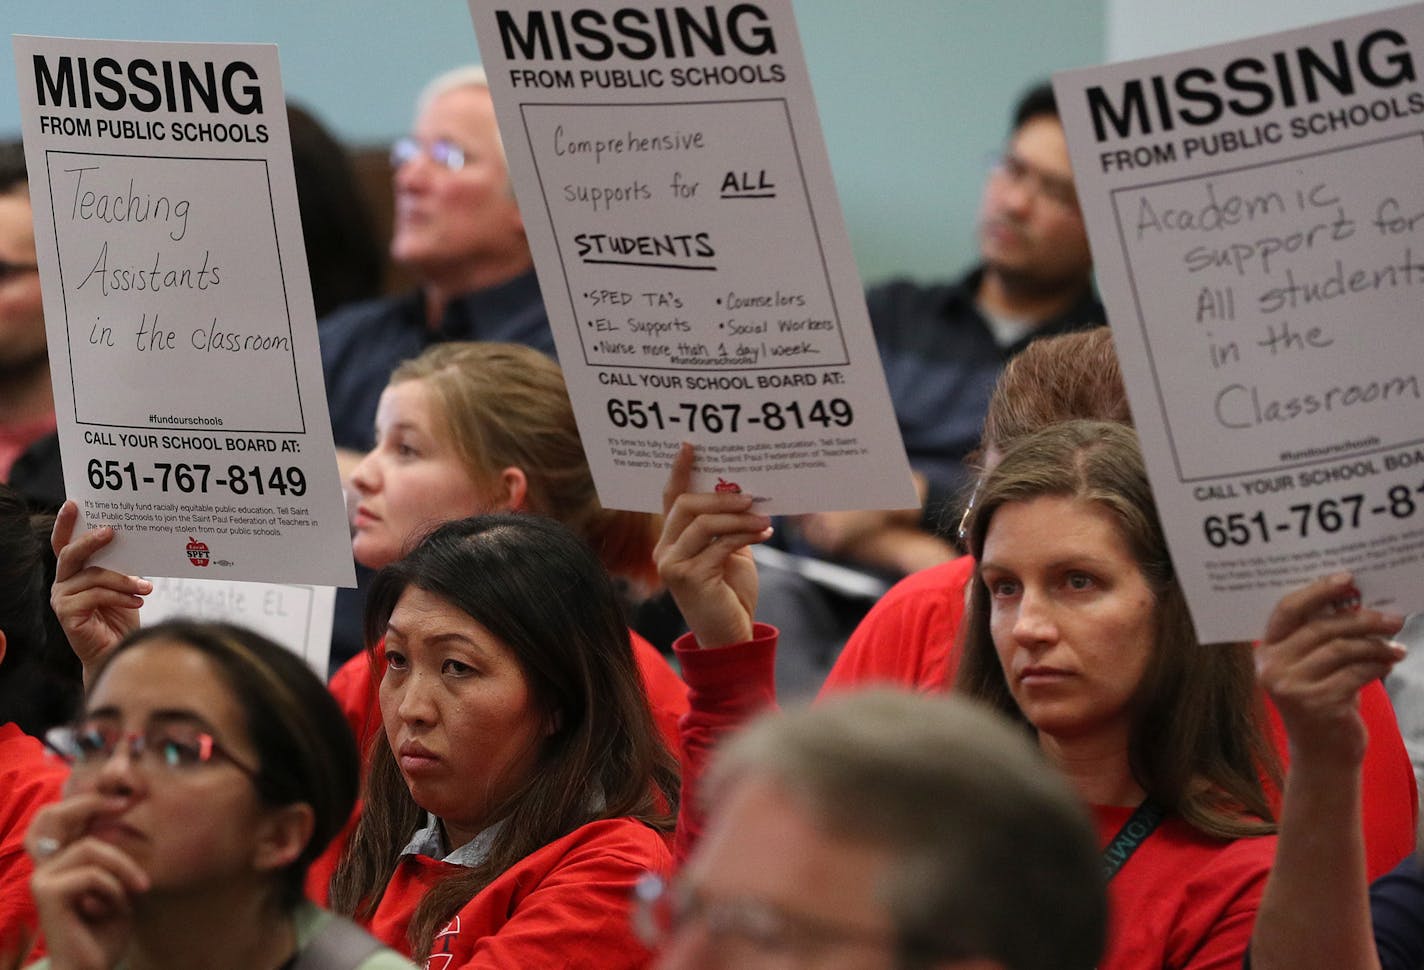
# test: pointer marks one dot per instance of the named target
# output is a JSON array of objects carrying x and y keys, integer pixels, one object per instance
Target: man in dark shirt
[
  {"x": 458, "y": 228},
  {"x": 943, "y": 345}
]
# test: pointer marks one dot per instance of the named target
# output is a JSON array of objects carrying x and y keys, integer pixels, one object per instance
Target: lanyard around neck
[{"x": 1130, "y": 837}]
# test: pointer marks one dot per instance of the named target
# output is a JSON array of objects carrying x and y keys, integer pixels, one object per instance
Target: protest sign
[
  {"x": 693, "y": 258},
  {"x": 1257, "y": 223},
  {"x": 187, "y": 381}
]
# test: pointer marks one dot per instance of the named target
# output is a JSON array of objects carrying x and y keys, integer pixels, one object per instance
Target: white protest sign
[
  {"x": 297, "y": 617},
  {"x": 691, "y": 250},
  {"x": 182, "y": 340},
  {"x": 1257, "y": 219}
]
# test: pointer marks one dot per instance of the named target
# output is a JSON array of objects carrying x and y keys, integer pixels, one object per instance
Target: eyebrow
[
  {"x": 167, "y": 715},
  {"x": 451, "y": 636},
  {"x": 1057, "y": 564}
]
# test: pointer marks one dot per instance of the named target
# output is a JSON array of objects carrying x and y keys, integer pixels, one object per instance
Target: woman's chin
[{"x": 371, "y": 554}]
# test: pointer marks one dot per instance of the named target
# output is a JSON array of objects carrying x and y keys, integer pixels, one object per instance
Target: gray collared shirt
[{"x": 430, "y": 841}]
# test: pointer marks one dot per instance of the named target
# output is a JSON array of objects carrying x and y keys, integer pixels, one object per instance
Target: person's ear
[
  {"x": 283, "y": 835},
  {"x": 3, "y": 644},
  {"x": 514, "y": 485}
]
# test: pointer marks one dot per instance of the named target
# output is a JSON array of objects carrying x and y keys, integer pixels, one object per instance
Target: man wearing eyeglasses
[
  {"x": 457, "y": 227},
  {"x": 29, "y": 449},
  {"x": 943, "y": 346},
  {"x": 881, "y": 829}
]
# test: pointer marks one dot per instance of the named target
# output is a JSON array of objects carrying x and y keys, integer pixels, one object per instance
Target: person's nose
[
  {"x": 366, "y": 476},
  {"x": 120, "y": 774},
  {"x": 1034, "y": 624},
  {"x": 413, "y": 174},
  {"x": 1018, "y": 195},
  {"x": 416, "y": 704}
]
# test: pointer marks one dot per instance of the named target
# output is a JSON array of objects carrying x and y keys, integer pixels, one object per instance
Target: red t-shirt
[
  {"x": 910, "y": 638},
  {"x": 1183, "y": 900},
  {"x": 566, "y": 905},
  {"x": 16, "y": 438},
  {"x": 29, "y": 780}
]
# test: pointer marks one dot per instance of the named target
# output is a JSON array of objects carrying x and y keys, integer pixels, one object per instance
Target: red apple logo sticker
[
  {"x": 725, "y": 486},
  {"x": 197, "y": 552}
]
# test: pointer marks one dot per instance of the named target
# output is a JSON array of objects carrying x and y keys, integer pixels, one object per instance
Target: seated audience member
[
  {"x": 943, "y": 346},
  {"x": 1318, "y": 913},
  {"x": 28, "y": 779},
  {"x": 519, "y": 788},
  {"x": 29, "y": 450},
  {"x": 210, "y": 767},
  {"x": 1076, "y": 629},
  {"x": 458, "y": 229},
  {"x": 880, "y": 831},
  {"x": 463, "y": 428},
  {"x": 477, "y": 427},
  {"x": 911, "y": 636}
]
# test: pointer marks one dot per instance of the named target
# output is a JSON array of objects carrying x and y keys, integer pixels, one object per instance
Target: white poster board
[
  {"x": 297, "y": 617},
  {"x": 182, "y": 340},
  {"x": 693, "y": 257},
  {"x": 1256, "y": 212}
]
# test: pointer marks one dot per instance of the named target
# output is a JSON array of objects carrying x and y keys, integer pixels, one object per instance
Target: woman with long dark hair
[{"x": 520, "y": 787}]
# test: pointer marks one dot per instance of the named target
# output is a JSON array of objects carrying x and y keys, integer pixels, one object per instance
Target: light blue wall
[{"x": 913, "y": 93}]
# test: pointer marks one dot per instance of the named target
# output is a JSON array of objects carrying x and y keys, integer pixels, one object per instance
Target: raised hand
[
  {"x": 705, "y": 558},
  {"x": 96, "y": 607}
]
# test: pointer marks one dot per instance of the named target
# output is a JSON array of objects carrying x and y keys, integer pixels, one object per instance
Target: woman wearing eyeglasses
[{"x": 209, "y": 768}]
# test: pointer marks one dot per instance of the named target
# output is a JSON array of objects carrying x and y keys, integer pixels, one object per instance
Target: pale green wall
[{"x": 913, "y": 93}]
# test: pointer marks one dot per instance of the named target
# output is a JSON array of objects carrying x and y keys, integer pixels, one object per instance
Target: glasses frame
[
  {"x": 441, "y": 152},
  {"x": 1019, "y": 172},
  {"x": 660, "y": 911},
  {"x": 63, "y": 742}
]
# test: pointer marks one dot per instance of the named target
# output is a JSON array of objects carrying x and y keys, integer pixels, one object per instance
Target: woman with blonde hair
[
  {"x": 482, "y": 427},
  {"x": 464, "y": 428}
]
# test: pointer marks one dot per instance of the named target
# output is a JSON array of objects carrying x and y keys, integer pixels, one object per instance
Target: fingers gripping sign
[
  {"x": 1319, "y": 649},
  {"x": 705, "y": 558},
  {"x": 96, "y": 606}
]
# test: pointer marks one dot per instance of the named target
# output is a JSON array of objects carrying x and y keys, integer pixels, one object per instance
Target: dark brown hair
[
  {"x": 1197, "y": 744},
  {"x": 1072, "y": 375},
  {"x": 539, "y": 590}
]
